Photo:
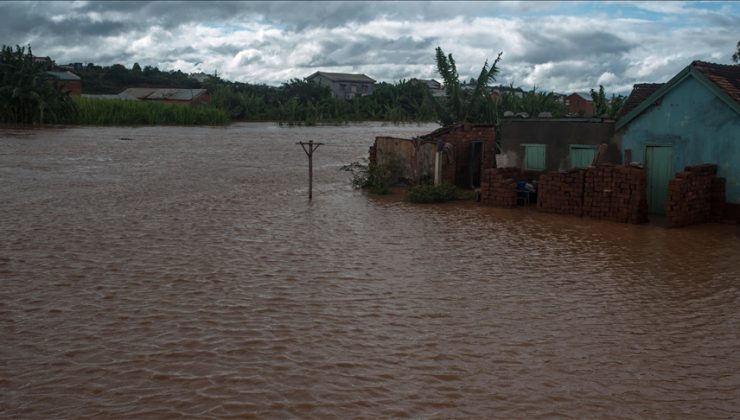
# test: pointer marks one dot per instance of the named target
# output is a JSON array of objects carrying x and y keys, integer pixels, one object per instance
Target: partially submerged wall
[
  {"x": 415, "y": 158},
  {"x": 616, "y": 193},
  {"x": 460, "y": 138}
]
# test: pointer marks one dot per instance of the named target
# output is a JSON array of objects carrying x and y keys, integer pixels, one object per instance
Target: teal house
[{"x": 692, "y": 119}]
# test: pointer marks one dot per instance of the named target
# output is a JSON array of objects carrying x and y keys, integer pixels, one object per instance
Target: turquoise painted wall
[{"x": 700, "y": 127}]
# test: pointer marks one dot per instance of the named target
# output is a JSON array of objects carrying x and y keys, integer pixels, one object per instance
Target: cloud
[{"x": 556, "y": 46}]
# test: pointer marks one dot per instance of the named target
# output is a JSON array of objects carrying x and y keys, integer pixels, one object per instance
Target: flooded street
[{"x": 177, "y": 272}]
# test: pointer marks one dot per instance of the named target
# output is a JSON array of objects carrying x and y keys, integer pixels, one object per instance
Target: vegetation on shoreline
[
  {"x": 26, "y": 96},
  {"x": 118, "y": 112}
]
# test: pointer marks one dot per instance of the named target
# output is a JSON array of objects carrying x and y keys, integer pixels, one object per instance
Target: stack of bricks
[
  {"x": 498, "y": 186},
  {"x": 690, "y": 196},
  {"x": 617, "y": 193},
  {"x": 561, "y": 192}
]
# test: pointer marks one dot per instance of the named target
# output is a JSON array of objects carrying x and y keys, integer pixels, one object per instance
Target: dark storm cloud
[{"x": 546, "y": 47}]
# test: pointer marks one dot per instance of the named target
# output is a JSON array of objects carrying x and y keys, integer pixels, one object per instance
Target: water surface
[{"x": 176, "y": 272}]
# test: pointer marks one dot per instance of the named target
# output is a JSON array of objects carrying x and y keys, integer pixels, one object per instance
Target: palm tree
[{"x": 459, "y": 106}]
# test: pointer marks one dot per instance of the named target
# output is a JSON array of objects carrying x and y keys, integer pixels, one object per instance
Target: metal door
[{"x": 659, "y": 166}]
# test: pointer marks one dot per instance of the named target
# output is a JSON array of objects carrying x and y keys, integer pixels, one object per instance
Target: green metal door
[
  {"x": 581, "y": 156},
  {"x": 659, "y": 166},
  {"x": 534, "y": 157}
]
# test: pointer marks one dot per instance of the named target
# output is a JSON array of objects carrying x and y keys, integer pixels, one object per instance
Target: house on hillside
[
  {"x": 167, "y": 95},
  {"x": 435, "y": 88},
  {"x": 344, "y": 85},
  {"x": 580, "y": 104},
  {"x": 692, "y": 119},
  {"x": 67, "y": 81}
]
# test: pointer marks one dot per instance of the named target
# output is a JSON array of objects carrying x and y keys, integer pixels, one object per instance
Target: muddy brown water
[{"x": 181, "y": 272}]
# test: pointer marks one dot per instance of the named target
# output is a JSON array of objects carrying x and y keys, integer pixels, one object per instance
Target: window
[
  {"x": 581, "y": 155},
  {"x": 534, "y": 157}
]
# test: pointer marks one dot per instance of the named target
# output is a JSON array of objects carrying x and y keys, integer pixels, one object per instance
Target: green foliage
[
  {"x": 736, "y": 55},
  {"x": 116, "y": 78},
  {"x": 27, "y": 95},
  {"x": 463, "y": 105},
  {"x": 602, "y": 106},
  {"x": 373, "y": 177},
  {"x": 533, "y": 102},
  {"x": 434, "y": 193},
  {"x": 119, "y": 112}
]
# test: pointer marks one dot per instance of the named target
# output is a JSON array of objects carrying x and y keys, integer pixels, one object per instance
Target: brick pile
[
  {"x": 498, "y": 186},
  {"x": 695, "y": 195},
  {"x": 561, "y": 192},
  {"x": 617, "y": 193}
]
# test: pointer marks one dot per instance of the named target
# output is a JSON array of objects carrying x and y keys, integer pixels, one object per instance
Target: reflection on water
[{"x": 183, "y": 273}]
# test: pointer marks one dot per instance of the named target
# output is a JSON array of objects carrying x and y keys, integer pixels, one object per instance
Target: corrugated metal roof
[
  {"x": 171, "y": 94},
  {"x": 343, "y": 77},
  {"x": 63, "y": 75}
]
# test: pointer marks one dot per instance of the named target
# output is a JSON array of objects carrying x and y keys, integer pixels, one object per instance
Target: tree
[
  {"x": 460, "y": 107},
  {"x": 27, "y": 94},
  {"x": 599, "y": 102},
  {"x": 136, "y": 69},
  {"x": 736, "y": 56}
]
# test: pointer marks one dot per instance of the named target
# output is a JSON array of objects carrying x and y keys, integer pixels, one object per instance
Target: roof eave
[
  {"x": 721, "y": 94},
  {"x": 650, "y": 100}
]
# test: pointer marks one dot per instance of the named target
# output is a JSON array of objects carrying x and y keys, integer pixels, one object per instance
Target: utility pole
[{"x": 309, "y": 152}]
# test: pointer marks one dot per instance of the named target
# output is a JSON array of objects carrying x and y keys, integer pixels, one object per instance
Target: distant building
[
  {"x": 167, "y": 95},
  {"x": 580, "y": 103},
  {"x": 435, "y": 88},
  {"x": 344, "y": 85},
  {"x": 68, "y": 81}
]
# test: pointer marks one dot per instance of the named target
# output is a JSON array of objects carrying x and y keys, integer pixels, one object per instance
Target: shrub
[
  {"x": 374, "y": 177},
  {"x": 435, "y": 193}
]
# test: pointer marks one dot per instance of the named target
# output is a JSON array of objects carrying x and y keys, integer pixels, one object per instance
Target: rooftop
[
  {"x": 163, "y": 93},
  {"x": 343, "y": 77},
  {"x": 639, "y": 93},
  {"x": 726, "y": 77}
]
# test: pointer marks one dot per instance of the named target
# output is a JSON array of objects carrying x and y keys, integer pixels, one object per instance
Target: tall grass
[{"x": 118, "y": 112}]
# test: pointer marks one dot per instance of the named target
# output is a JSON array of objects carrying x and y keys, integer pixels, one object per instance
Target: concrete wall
[
  {"x": 557, "y": 135},
  {"x": 700, "y": 127},
  {"x": 415, "y": 157}
]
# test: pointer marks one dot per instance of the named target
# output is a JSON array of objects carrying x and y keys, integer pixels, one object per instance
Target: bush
[
  {"x": 435, "y": 193},
  {"x": 374, "y": 177},
  {"x": 120, "y": 112}
]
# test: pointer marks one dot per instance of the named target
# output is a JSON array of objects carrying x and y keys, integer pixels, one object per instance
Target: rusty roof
[
  {"x": 720, "y": 79},
  {"x": 726, "y": 77},
  {"x": 343, "y": 77},
  {"x": 639, "y": 93},
  {"x": 171, "y": 94}
]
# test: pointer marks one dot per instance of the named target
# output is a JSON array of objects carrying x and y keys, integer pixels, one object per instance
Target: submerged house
[
  {"x": 344, "y": 85},
  {"x": 692, "y": 119},
  {"x": 465, "y": 149}
]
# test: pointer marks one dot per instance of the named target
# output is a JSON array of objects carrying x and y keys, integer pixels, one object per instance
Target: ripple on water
[{"x": 183, "y": 273}]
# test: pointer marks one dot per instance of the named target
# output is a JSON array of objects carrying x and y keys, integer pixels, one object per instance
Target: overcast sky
[{"x": 557, "y": 46}]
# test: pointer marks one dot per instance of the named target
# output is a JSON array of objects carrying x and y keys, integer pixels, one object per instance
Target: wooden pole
[{"x": 309, "y": 152}]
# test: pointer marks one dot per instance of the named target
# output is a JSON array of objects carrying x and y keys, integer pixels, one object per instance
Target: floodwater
[{"x": 181, "y": 272}]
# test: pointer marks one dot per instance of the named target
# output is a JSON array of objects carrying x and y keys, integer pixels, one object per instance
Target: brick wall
[
  {"x": 617, "y": 193},
  {"x": 695, "y": 196},
  {"x": 460, "y": 137},
  {"x": 561, "y": 192},
  {"x": 498, "y": 186}
]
